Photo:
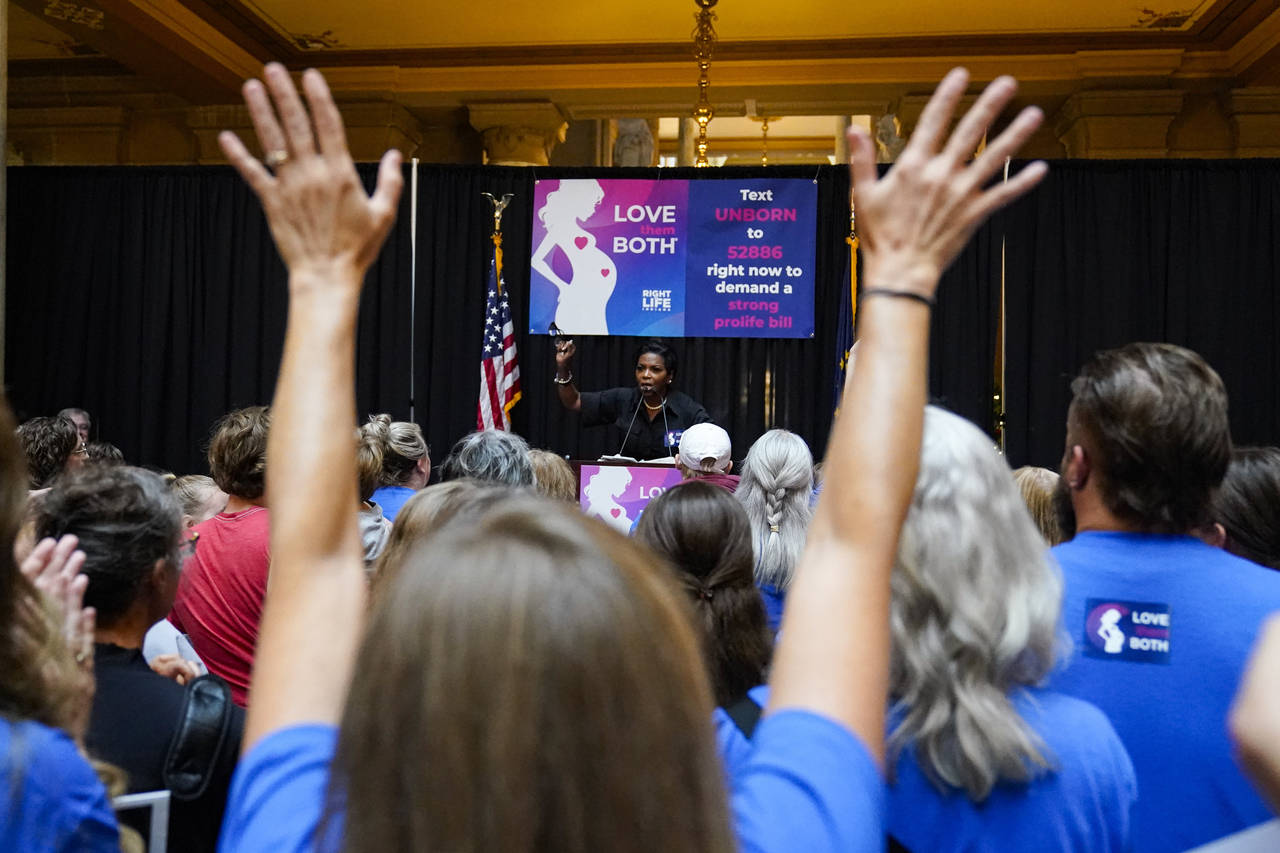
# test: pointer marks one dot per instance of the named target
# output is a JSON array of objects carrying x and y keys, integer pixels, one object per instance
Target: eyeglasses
[{"x": 187, "y": 549}]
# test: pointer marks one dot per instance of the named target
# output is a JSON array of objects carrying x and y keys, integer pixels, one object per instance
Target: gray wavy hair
[
  {"x": 775, "y": 490},
  {"x": 974, "y": 616},
  {"x": 491, "y": 456}
]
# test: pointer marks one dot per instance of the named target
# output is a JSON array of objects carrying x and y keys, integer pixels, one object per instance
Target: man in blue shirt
[{"x": 1162, "y": 621}]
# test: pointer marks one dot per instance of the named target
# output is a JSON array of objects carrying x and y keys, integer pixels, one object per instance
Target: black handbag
[{"x": 199, "y": 737}]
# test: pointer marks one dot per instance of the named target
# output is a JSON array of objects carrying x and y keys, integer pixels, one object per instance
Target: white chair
[{"x": 158, "y": 802}]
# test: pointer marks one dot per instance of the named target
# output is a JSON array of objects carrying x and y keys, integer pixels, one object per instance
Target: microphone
[
  {"x": 666, "y": 429},
  {"x": 634, "y": 414}
]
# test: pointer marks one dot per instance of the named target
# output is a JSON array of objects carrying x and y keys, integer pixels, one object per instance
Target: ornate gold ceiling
[
  {"x": 804, "y": 57},
  {"x": 383, "y": 24},
  {"x": 589, "y": 53}
]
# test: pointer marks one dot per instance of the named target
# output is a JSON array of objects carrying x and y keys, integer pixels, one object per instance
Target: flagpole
[
  {"x": 998, "y": 399},
  {"x": 852, "y": 240},
  {"x": 846, "y": 321},
  {"x": 500, "y": 386},
  {"x": 413, "y": 283}
]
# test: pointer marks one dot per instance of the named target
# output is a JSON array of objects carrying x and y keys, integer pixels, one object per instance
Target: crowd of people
[{"x": 316, "y": 648}]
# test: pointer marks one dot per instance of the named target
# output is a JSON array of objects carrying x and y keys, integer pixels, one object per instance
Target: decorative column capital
[
  {"x": 1117, "y": 124},
  {"x": 1255, "y": 121},
  {"x": 519, "y": 134}
]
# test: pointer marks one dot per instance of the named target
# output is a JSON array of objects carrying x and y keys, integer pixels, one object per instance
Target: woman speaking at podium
[{"x": 650, "y": 416}]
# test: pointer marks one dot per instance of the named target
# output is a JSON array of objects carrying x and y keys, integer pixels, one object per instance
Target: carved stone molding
[
  {"x": 1255, "y": 121},
  {"x": 372, "y": 128},
  {"x": 1117, "y": 124},
  {"x": 207, "y": 122},
  {"x": 90, "y": 136},
  {"x": 519, "y": 134}
]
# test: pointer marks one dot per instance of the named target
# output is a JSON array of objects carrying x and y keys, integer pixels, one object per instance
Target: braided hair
[{"x": 776, "y": 486}]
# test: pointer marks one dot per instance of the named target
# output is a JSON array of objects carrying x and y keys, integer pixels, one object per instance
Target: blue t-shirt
[
  {"x": 809, "y": 785},
  {"x": 774, "y": 600},
  {"x": 731, "y": 743},
  {"x": 1083, "y": 805},
  {"x": 1163, "y": 627},
  {"x": 50, "y": 799},
  {"x": 391, "y": 498}
]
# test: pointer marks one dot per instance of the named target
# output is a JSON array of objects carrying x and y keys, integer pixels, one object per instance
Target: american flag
[{"x": 499, "y": 370}]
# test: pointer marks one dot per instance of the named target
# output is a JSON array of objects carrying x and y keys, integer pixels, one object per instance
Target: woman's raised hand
[
  {"x": 53, "y": 567},
  {"x": 328, "y": 230},
  {"x": 564, "y": 353},
  {"x": 914, "y": 221}
]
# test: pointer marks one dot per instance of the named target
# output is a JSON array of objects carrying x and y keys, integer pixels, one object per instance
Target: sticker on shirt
[
  {"x": 672, "y": 438},
  {"x": 1135, "y": 631}
]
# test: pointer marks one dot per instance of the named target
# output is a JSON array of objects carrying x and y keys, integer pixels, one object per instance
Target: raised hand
[
  {"x": 328, "y": 231},
  {"x": 564, "y": 353},
  {"x": 917, "y": 218},
  {"x": 326, "y": 228},
  {"x": 833, "y": 652},
  {"x": 53, "y": 567}
]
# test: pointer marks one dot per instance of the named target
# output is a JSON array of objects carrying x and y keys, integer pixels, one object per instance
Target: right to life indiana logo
[{"x": 1136, "y": 631}]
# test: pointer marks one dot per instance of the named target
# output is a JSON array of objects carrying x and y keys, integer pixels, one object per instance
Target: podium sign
[{"x": 617, "y": 494}]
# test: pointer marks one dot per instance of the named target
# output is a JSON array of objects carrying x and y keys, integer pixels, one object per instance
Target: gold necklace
[{"x": 653, "y": 408}]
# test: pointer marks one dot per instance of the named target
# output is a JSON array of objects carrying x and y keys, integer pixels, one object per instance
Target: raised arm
[
  {"x": 833, "y": 656},
  {"x": 565, "y": 389},
  {"x": 328, "y": 232},
  {"x": 1255, "y": 715}
]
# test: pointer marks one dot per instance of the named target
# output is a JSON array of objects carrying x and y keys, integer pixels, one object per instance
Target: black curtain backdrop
[
  {"x": 154, "y": 298},
  {"x": 1105, "y": 253}
]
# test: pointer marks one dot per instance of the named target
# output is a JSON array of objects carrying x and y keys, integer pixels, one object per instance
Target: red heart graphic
[
  {"x": 617, "y": 513},
  {"x": 580, "y": 242},
  {"x": 604, "y": 273}
]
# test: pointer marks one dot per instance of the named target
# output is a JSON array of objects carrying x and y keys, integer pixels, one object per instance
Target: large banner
[{"x": 715, "y": 257}]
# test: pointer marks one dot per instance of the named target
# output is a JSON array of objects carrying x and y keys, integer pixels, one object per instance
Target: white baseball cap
[{"x": 705, "y": 448}]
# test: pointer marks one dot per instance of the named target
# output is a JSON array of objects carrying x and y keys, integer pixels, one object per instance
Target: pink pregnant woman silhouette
[{"x": 583, "y": 299}]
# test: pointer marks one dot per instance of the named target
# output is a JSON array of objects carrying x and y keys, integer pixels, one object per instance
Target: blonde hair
[
  {"x": 193, "y": 492},
  {"x": 400, "y": 444},
  {"x": 552, "y": 476},
  {"x": 422, "y": 515},
  {"x": 1037, "y": 486},
  {"x": 974, "y": 616},
  {"x": 369, "y": 463}
]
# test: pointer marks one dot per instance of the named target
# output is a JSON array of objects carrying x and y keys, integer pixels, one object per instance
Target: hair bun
[{"x": 377, "y": 430}]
